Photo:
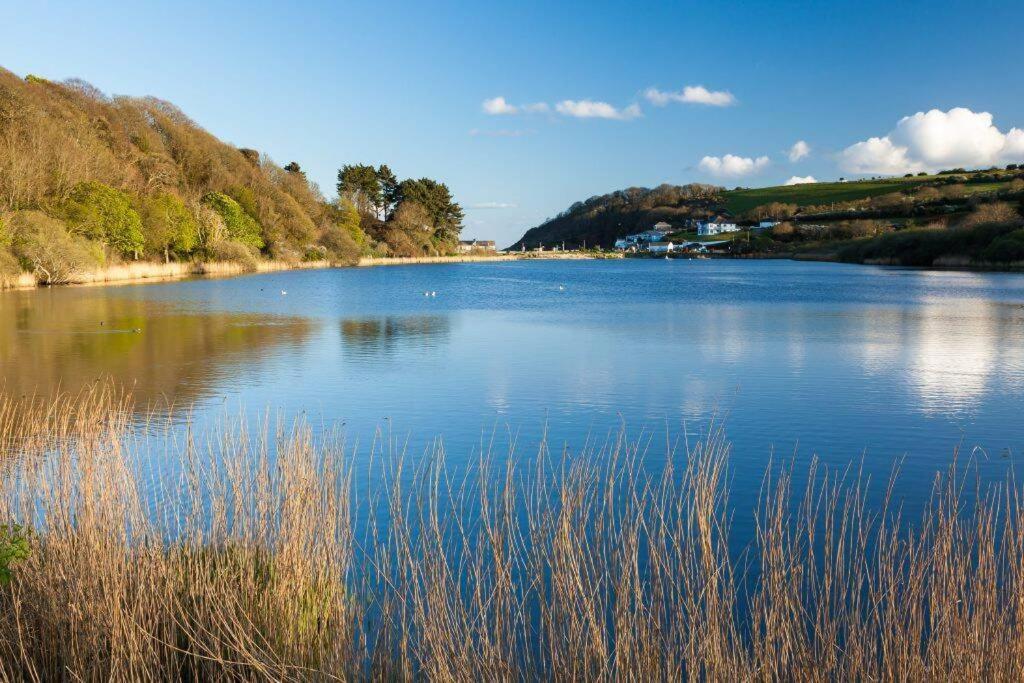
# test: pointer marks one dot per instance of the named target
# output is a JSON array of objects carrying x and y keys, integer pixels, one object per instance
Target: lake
[{"x": 795, "y": 359}]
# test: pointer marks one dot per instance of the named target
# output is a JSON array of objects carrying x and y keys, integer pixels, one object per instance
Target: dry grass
[{"x": 266, "y": 555}]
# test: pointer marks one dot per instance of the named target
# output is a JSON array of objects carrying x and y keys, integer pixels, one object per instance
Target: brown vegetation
[
  {"x": 125, "y": 178},
  {"x": 263, "y": 558}
]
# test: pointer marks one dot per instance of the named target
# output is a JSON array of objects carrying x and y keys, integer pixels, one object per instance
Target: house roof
[{"x": 661, "y": 244}]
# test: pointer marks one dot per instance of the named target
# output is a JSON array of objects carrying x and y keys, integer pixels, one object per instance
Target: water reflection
[
  {"x": 369, "y": 337},
  {"x": 65, "y": 342}
]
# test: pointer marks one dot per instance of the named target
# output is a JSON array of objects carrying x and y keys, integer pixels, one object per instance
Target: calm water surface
[{"x": 839, "y": 361}]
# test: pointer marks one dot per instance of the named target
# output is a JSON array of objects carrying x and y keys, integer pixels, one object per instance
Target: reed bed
[{"x": 258, "y": 552}]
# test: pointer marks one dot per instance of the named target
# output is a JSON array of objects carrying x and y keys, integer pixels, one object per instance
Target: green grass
[{"x": 740, "y": 201}]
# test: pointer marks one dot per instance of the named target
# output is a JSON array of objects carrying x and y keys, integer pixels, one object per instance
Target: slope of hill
[
  {"x": 599, "y": 220},
  {"x": 88, "y": 181}
]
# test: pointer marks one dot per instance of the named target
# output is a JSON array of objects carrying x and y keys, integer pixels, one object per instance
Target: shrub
[
  {"x": 240, "y": 226},
  {"x": 168, "y": 226},
  {"x": 45, "y": 246},
  {"x": 992, "y": 212},
  {"x": 234, "y": 252},
  {"x": 99, "y": 212},
  {"x": 14, "y": 548},
  {"x": 1006, "y": 249}
]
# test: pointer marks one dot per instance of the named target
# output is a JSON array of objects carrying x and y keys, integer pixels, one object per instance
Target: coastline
[{"x": 139, "y": 272}]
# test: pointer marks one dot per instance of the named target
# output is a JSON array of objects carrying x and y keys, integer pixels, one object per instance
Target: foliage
[
  {"x": 240, "y": 226},
  {"x": 359, "y": 184},
  {"x": 102, "y": 213},
  {"x": 436, "y": 199},
  {"x": 14, "y": 547},
  {"x": 169, "y": 226},
  {"x": 46, "y": 247},
  {"x": 342, "y": 235}
]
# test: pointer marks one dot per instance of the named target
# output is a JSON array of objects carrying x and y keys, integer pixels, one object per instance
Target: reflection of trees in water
[
  {"x": 67, "y": 342},
  {"x": 385, "y": 334}
]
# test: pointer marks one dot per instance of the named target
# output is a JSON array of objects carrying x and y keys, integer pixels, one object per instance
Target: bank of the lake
[{"x": 135, "y": 272}]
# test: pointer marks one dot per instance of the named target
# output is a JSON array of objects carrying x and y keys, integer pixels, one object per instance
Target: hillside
[
  {"x": 88, "y": 180},
  {"x": 812, "y": 213}
]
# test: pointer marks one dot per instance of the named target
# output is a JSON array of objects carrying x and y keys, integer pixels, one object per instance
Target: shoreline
[{"x": 139, "y": 272}]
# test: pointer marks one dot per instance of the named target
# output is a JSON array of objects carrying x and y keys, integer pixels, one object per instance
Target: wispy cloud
[
  {"x": 500, "y": 133},
  {"x": 732, "y": 166},
  {"x": 592, "y": 109},
  {"x": 492, "y": 205},
  {"x": 499, "y": 106},
  {"x": 801, "y": 180},
  {"x": 691, "y": 94},
  {"x": 799, "y": 150}
]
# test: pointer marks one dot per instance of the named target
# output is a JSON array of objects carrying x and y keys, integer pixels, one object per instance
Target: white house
[
  {"x": 660, "y": 247},
  {"x": 764, "y": 225},
  {"x": 715, "y": 227}
]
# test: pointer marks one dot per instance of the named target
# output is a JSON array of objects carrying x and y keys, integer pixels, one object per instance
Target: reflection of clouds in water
[
  {"x": 954, "y": 355},
  {"x": 878, "y": 339}
]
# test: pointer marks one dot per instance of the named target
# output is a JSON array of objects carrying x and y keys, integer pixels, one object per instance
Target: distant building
[
  {"x": 660, "y": 247},
  {"x": 764, "y": 225},
  {"x": 715, "y": 226},
  {"x": 467, "y": 246},
  {"x": 663, "y": 227}
]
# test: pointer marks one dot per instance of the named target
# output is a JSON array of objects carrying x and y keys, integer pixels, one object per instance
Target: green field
[{"x": 740, "y": 201}]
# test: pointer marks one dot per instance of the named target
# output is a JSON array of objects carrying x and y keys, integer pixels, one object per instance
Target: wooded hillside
[{"x": 87, "y": 180}]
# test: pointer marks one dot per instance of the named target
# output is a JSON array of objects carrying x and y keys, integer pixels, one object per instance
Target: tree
[
  {"x": 293, "y": 167},
  {"x": 390, "y": 195},
  {"x": 342, "y": 236},
  {"x": 359, "y": 184},
  {"x": 45, "y": 245},
  {"x": 240, "y": 226},
  {"x": 445, "y": 214},
  {"x": 168, "y": 226},
  {"x": 99, "y": 212}
]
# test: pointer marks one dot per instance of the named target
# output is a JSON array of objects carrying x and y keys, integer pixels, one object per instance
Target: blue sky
[{"x": 404, "y": 83}]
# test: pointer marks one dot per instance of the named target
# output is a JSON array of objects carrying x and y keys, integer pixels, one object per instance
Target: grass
[
  {"x": 740, "y": 201},
  {"x": 259, "y": 555}
]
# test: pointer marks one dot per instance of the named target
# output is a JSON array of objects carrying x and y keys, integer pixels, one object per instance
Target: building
[
  {"x": 663, "y": 227},
  {"x": 765, "y": 225},
  {"x": 467, "y": 246},
  {"x": 660, "y": 247},
  {"x": 716, "y": 226}
]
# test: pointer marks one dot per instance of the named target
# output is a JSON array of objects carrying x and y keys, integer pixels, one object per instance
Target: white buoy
[
  {"x": 284, "y": 293},
  {"x": 433, "y": 294}
]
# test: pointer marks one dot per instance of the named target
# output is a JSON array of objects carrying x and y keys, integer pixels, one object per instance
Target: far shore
[{"x": 136, "y": 272}]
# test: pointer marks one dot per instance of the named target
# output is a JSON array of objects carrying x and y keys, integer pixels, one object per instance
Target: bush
[
  {"x": 46, "y": 247},
  {"x": 234, "y": 252},
  {"x": 993, "y": 212},
  {"x": 240, "y": 226},
  {"x": 1006, "y": 249},
  {"x": 99, "y": 212},
  {"x": 168, "y": 226}
]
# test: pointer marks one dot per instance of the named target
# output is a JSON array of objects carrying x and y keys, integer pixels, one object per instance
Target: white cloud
[
  {"x": 691, "y": 94},
  {"x": 499, "y": 106},
  {"x": 591, "y": 109},
  {"x": 492, "y": 205},
  {"x": 799, "y": 150},
  {"x": 798, "y": 180},
  {"x": 936, "y": 140},
  {"x": 732, "y": 166}
]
